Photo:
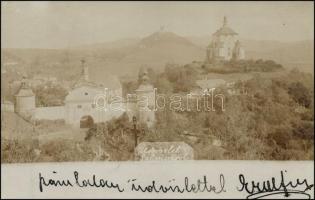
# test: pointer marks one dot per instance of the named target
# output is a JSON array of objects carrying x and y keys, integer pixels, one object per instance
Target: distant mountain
[
  {"x": 163, "y": 47},
  {"x": 162, "y": 38},
  {"x": 119, "y": 57},
  {"x": 126, "y": 56},
  {"x": 110, "y": 45}
]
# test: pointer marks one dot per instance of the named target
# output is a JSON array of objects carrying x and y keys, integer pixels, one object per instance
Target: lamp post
[{"x": 134, "y": 121}]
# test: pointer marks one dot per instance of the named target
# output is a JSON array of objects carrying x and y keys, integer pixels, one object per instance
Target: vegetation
[
  {"x": 263, "y": 123},
  {"x": 50, "y": 95},
  {"x": 234, "y": 66}
]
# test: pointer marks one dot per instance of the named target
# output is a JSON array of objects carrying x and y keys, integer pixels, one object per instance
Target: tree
[{"x": 300, "y": 94}]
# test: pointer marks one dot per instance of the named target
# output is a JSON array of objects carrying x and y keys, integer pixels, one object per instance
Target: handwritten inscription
[
  {"x": 79, "y": 182},
  {"x": 201, "y": 185},
  {"x": 274, "y": 188},
  {"x": 164, "y": 151}
]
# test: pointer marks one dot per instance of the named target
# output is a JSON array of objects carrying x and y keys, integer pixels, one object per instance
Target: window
[
  {"x": 86, "y": 93},
  {"x": 79, "y": 106}
]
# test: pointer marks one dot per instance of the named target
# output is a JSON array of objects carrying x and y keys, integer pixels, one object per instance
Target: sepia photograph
[{"x": 156, "y": 81}]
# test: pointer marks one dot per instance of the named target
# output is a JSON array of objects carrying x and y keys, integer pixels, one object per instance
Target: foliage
[
  {"x": 300, "y": 94},
  {"x": 234, "y": 66},
  {"x": 262, "y": 123},
  {"x": 50, "y": 95},
  {"x": 176, "y": 79}
]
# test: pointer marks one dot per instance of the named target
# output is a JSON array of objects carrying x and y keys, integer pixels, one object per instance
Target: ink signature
[{"x": 273, "y": 188}]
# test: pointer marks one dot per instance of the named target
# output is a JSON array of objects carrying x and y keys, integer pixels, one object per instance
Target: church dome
[
  {"x": 225, "y": 30},
  {"x": 24, "y": 91}
]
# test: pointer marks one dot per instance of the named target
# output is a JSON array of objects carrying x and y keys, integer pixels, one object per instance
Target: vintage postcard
[{"x": 157, "y": 99}]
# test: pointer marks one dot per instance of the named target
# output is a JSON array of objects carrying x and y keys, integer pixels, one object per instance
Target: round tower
[{"x": 24, "y": 100}]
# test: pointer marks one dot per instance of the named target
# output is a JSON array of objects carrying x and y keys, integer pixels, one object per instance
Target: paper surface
[{"x": 157, "y": 100}]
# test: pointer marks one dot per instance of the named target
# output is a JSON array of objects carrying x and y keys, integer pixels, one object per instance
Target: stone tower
[{"x": 25, "y": 100}]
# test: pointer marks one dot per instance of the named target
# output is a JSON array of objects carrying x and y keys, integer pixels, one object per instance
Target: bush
[{"x": 300, "y": 94}]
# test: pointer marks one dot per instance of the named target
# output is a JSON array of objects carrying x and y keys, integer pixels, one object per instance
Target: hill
[
  {"x": 120, "y": 57},
  {"x": 126, "y": 56}
]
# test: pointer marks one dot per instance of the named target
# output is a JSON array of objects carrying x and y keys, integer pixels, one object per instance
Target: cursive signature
[{"x": 275, "y": 188}]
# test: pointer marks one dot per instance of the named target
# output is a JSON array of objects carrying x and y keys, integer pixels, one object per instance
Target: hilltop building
[{"x": 224, "y": 45}]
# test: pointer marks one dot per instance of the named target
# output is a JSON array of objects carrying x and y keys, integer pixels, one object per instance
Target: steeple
[
  {"x": 143, "y": 77},
  {"x": 24, "y": 83},
  {"x": 85, "y": 71},
  {"x": 224, "y": 21}
]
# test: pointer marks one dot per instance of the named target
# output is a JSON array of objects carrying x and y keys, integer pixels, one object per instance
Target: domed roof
[
  {"x": 225, "y": 30},
  {"x": 24, "y": 91}
]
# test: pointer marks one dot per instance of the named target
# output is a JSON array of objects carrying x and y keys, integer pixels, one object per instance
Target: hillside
[
  {"x": 13, "y": 126},
  {"x": 126, "y": 56}
]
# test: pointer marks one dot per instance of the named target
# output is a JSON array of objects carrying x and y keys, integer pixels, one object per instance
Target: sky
[{"x": 64, "y": 24}]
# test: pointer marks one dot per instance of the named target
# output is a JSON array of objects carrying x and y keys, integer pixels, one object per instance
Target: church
[
  {"x": 224, "y": 45},
  {"x": 82, "y": 108}
]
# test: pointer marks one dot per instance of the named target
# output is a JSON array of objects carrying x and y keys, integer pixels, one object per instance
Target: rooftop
[
  {"x": 225, "y": 30},
  {"x": 24, "y": 91}
]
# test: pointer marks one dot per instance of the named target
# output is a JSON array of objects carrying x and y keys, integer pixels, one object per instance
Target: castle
[
  {"x": 81, "y": 107},
  {"x": 224, "y": 45}
]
